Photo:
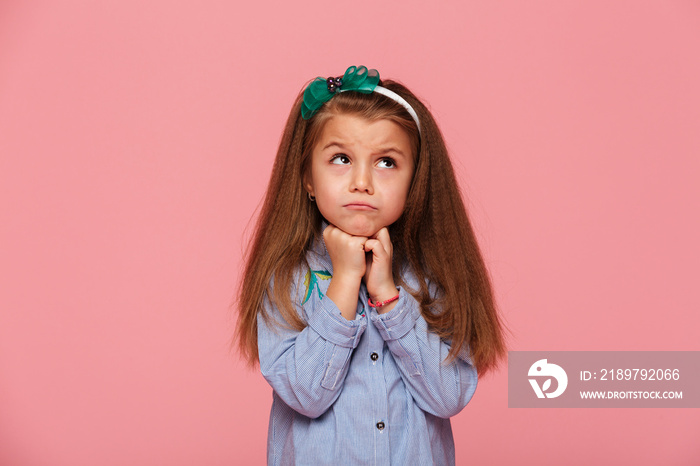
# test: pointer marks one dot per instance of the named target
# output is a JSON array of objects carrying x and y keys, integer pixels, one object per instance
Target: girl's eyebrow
[
  {"x": 384, "y": 151},
  {"x": 333, "y": 143},
  {"x": 389, "y": 149}
]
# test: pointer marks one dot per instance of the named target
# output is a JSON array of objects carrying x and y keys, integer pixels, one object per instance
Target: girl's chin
[{"x": 365, "y": 230}]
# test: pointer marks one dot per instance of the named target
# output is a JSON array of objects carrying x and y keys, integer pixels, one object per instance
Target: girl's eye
[
  {"x": 386, "y": 163},
  {"x": 340, "y": 159}
]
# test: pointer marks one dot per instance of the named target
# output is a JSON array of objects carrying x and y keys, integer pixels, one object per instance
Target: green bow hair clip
[{"x": 320, "y": 90}]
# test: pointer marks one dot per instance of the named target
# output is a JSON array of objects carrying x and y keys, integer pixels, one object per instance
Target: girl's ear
[{"x": 308, "y": 184}]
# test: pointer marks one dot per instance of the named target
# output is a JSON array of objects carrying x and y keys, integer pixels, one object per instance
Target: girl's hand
[
  {"x": 347, "y": 252},
  {"x": 378, "y": 277},
  {"x": 348, "y": 257}
]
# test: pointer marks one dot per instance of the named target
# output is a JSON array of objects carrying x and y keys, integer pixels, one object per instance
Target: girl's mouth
[{"x": 359, "y": 206}]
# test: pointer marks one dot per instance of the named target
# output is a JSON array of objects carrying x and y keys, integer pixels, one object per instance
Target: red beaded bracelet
[{"x": 390, "y": 300}]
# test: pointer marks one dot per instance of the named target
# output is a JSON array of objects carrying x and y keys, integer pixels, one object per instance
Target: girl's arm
[
  {"x": 438, "y": 388},
  {"x": 307, "y": 368},
  {"x": 347, "y": 254}
]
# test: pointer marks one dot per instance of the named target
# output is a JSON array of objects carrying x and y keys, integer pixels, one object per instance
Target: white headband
[
  {"x": 397, "y": 98},
  {"x": 359, "y": 79}
]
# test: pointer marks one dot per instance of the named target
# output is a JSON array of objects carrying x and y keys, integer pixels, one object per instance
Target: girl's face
[{"x": 360, "y": 173}]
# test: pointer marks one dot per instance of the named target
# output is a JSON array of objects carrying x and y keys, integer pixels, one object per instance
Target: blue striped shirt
[{"x": 369, "y": 391}]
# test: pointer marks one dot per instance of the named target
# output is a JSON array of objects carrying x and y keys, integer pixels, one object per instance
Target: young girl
[{"x": 365, "y": 298}]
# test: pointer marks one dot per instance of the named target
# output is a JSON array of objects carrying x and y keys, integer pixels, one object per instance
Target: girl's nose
[{"x": 362, "y": 180}]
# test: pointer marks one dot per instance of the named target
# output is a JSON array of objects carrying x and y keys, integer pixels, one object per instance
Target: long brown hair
[{"x": 433, "y": 237}]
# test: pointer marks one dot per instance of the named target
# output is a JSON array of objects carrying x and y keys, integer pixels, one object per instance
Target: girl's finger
[
  {"x": 376, "y": 247},
  {"x": 369, "y": 244},
  {"x": 384, "y": 238}
]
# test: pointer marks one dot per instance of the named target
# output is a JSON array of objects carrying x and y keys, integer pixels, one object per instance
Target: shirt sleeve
[
  {"x": 307, "y": 368},
  {"x": 437, "y": 387}
]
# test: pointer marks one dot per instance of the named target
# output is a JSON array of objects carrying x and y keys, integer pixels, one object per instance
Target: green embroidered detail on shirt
[{"x": 311, "y": 280}]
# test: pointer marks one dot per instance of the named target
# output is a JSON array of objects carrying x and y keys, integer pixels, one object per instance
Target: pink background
[{"x": 137, "y": 139}]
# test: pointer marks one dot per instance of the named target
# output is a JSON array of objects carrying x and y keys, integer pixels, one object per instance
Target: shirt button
[
  {"x": 380, "y": 425},
  {"x": 374, "y": 356}
]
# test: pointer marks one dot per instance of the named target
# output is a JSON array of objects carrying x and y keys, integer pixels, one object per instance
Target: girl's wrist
[
  {"x": 385, "y": 301},
  {"x": 347, "y": 279},
  {"x": 343, "y": 292},
  {"x": 384, "y": 295}
]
